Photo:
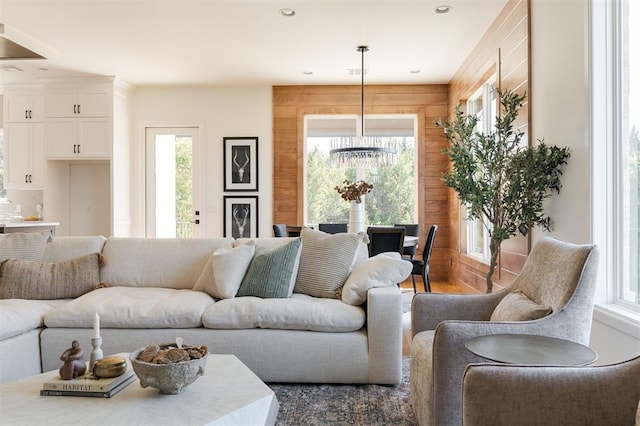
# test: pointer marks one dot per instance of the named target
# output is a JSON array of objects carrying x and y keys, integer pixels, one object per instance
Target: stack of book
[{"x": 87, "y": 385}]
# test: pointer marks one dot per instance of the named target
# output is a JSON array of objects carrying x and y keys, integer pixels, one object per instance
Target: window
[
  {"x": 484, "y": 106},
  {"x": 616, "y": 118},
  {"x": 394, "y": 195}
]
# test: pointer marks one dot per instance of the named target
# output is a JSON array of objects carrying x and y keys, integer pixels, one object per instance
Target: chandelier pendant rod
[{"x": 362, "y": 49}]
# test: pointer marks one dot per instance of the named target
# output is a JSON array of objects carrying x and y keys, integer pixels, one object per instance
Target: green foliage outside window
[
  {"x": 392, "y": 199},
  {"x": 184, "y": 185}
]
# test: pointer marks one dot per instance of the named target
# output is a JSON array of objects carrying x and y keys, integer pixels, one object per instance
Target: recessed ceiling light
[
  {"x": 443, "y": 9},
  {"x": 287, "y": 12}
]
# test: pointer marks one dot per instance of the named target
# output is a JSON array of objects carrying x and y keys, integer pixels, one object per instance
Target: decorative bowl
[{"x": 169, "y": 377}]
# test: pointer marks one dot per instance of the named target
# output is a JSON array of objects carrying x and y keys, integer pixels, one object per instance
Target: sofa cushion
[
  {"x": 299, "y": 312},
  {"x": 516, "y": 306},
  {"x": 131, "y": 307},
  {"x": 67, "y": 248},
  {"x": 157, "y": 262},
  {"x": 23, "y": 245},
  {"x": 223, "y": 273},
  {"x": 272, "y": 272},
  {"x": 17, "y": 316},
  {"x": 382, "y": 270},
  {"x": 24, "y": 279},
  {"x": 325, "y": 263}
]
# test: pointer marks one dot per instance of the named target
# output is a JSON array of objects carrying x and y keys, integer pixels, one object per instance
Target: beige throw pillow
[
  {"x": 223, "y": 273},
  {"x": 326, "y": 262},
  {"x": 24, "y": 279},
  {"x": 518, "y": 307}
]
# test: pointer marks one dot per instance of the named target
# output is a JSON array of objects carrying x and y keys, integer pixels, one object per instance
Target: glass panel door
[{"x": 172, "y": 190}]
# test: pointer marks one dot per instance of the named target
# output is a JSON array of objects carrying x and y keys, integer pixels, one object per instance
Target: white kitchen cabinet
[
  {"x": 78, "y": 138},
  {"x": 24, "y": 156},
  {"x": 24, "y": 108},
  {"x": 92, "y": 101}
]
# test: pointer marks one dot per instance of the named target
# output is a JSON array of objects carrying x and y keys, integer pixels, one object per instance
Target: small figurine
[{"x": 74, "y": 365}]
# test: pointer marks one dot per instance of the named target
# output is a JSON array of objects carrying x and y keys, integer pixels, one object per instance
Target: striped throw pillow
[
  {"x": 272, "y": 272},
  {"x": 326, "y": 262},
  {"x": 24, "y": 245},
  {"x": 24, "y": 279}
]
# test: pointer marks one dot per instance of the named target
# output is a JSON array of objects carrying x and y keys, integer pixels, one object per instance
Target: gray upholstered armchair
[
  {"x": 551, "y": 396},
  {"x": 557, "y": 275}
]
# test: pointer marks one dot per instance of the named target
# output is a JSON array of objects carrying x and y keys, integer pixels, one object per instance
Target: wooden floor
[{"x": 407, "y": 294}]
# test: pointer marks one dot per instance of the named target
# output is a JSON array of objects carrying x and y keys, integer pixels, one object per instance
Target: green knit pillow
[{"x": 272, "y": 272}]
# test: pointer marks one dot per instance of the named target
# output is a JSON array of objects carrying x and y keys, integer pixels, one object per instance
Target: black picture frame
[
  {"x": 240, "y": 163},
  {"x": 241, "y": 216}
]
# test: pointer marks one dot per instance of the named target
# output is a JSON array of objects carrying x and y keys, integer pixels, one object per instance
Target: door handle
[
  {"x": 26, "y": 114},
  {"x": 29, "y": 114},
  {"x": 30, "y": 179}
]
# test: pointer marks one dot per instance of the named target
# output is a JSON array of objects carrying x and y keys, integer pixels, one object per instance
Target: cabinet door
[
  {"x": 61, "y": 103},
  {"x": 94, "y": 138},
  {"x": 16, "y": 155},
  {"x": 24, "y": 108},
  {"x": 94, "y": 103},
  {"x": 76, "y": 138},
  {"x": 24, "y": 156},
  {"x": 86, "y": 102},
  {"x": 61, "y": 138}
]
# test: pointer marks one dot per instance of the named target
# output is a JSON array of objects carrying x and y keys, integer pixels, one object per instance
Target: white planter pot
[{"x": 356, "y": 217}]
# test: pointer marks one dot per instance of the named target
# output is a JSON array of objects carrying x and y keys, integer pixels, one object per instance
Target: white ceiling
[{"x": 244, "y": 42}]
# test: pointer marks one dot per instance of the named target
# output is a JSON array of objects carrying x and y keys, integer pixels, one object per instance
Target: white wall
[
  {"x": 560, "y": 96},
  {"x": 218, "y": 112}
]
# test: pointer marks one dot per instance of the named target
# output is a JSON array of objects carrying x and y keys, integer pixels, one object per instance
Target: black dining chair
[
  {"x": 293, "y": 230},
  {"x": 411, "y": 230},
  {"x": 280, "y": 230},
  {"x": 384, "y": 239},
  {"x": 333, "y": 228},
  {"x": 421, "y": 266}
]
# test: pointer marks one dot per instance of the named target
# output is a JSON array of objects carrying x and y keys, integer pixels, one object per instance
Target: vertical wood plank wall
[
  {"x": 428, "y": 102},
  {"x": 504, "y": 50}
]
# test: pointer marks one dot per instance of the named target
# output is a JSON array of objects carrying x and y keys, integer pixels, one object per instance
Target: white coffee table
[{"x": 227, "y": 394}]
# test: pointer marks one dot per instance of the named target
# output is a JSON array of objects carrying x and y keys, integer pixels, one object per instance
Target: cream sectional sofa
[{"x": 148, "y": 297}]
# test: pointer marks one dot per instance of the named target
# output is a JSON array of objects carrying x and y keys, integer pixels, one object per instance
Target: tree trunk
[{"x": 494, "y": 246}]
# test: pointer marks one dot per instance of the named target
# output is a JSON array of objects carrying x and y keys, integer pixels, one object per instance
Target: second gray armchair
[{"x": 556, "y": 275}]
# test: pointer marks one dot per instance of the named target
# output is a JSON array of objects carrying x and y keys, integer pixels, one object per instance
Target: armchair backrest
[{"x": 552, "y": 272}]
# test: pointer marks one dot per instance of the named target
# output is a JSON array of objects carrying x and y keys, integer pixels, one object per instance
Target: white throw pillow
[
  {"x": 223, "y": 273},
  {"x": 382, "y": 270}
]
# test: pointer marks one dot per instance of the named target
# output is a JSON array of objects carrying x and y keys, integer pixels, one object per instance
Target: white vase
[{"x": 356, "y": 216}]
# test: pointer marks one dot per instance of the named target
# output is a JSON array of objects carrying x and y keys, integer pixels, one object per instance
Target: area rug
[{"x": 302, "y": 404}]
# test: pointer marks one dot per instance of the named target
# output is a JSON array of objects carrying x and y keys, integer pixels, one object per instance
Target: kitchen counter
[{"x": 28, "y": 226}]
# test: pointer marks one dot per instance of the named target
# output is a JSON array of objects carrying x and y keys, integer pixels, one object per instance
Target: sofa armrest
[
  {"x": 430, "y": 309},
  {"x": 384, "y": 333}
]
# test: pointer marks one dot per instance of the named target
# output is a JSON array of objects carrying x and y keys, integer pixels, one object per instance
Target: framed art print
[
  {"x": 241, "y": 216},
  {"x": 240, "y": 163}
]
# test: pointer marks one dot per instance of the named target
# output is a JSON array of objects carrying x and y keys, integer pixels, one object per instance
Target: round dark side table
[{"x": 531, "y": 349}]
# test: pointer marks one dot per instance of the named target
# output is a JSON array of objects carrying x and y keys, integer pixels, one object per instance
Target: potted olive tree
[{"x": 501, "y": 182}]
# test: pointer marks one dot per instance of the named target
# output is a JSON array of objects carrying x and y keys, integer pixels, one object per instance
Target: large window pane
[{"x": 393, "y": 198}]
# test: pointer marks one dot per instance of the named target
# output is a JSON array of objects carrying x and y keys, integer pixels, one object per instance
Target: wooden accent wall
[
  {"x": 428, "y": 102},
  {"x": 504, "y": 50}
]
